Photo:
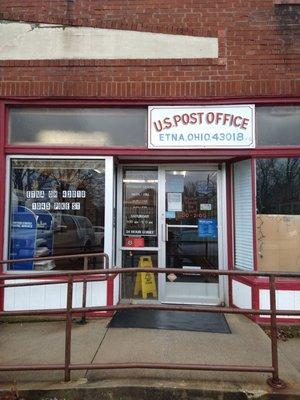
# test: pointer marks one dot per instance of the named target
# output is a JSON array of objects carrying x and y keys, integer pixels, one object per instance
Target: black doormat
[{"x": 170, "y": 320}]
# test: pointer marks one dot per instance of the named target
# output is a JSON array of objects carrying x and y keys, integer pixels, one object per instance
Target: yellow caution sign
[{"x": 145, "y": 281}]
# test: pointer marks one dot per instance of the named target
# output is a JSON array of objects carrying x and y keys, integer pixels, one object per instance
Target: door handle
[{"x": 165, "y": 232}]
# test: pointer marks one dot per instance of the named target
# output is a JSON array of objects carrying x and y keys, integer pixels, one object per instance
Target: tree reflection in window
[{"x": 56, "y": 191}]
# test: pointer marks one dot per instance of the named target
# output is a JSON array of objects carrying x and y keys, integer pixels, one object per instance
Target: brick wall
[{"x": 259, "y": 52}]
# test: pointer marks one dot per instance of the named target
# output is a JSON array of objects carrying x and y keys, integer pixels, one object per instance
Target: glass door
[
  {"x": 190, "y": 236},
  {"x": 138, "y": 231}
]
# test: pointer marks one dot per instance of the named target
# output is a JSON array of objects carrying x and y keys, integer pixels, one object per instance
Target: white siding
[
  {"x": 116, "y": 289},
  {"x": 52, "y": 296},
  {"x": 243, "y": 229},
  {"x": 241, "y": 295},
  {"x": 285, "y": 300}
]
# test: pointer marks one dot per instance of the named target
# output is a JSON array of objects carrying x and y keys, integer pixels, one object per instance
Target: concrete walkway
[{"x": 43, "y": 342}]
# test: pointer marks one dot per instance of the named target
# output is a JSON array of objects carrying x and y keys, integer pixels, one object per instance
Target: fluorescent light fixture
[
  {"x": 183, "y": 173},
  {"x": 140, "y": 180}
]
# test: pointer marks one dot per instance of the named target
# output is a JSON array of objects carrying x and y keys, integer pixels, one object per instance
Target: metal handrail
[
  {"x": 117, "y": 270},
  {"x": 50, "y": 258},
  {"x": 86, "y": 275}
]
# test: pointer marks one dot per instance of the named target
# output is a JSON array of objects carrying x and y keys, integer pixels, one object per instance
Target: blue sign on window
[
  {"x": 207, "y": 228},
  {"x": 205, "y": 187},
  {"x": 23, "y": 237}
]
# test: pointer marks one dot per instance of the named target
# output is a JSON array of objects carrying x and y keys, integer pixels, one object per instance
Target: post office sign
[{"x": 197, "y": 127}]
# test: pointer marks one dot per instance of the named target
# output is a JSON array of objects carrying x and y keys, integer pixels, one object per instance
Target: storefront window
[
  {"x": 277, "y": 125},
  {"x": 78, "y": 127},
  {"x": 56, "y": 208},
  {"x": 278, "y": 214}
]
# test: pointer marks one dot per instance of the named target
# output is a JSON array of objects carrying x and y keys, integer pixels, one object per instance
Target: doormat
[{"x": 170, "y": 320}]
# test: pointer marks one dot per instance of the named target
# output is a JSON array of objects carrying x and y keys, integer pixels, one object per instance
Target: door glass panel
[
  {"x": 139, "y": 232},
  {"x": 186, "y": 249},
  {"x": 191, "y": 231},
  {"x": 190, "y": 196},
  {"x": 132, "y": 287},
  {"x": 140, "y": 208}
]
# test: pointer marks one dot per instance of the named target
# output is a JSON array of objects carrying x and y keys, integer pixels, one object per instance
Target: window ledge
[{"x": 283, "y": 2}]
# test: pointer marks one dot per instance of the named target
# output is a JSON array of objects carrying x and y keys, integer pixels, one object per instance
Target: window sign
[
  {"x": 140, "y": 203},
  {"x": 49, "y": 199},
  {"x": 23, "y": 237},
  {"x": 205, "y": 207},
  {"x": 170, "y": 214},
  {"x": 205, "y": 187},
  {"x": 134, "y": 241},
  {"x": 201, "y": 127},
  {"x": 207, "y": 228},
  {"x": 174, "y": 201}
]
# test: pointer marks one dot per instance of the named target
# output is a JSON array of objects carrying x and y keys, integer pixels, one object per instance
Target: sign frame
[{"x": 201, "y": 127}]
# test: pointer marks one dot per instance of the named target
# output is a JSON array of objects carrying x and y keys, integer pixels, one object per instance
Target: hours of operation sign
[
  {"x": 140, "y": 209},
  {"x": 201, "y": 127}
]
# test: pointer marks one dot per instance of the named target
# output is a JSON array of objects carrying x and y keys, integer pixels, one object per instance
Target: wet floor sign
[{"x": 145, "y": 281}]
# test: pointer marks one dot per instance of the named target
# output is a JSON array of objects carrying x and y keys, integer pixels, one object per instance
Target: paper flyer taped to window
[{"x": 174, "y": 201}]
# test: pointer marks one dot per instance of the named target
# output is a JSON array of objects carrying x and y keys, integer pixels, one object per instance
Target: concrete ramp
[{"x": 41, "y": 342}]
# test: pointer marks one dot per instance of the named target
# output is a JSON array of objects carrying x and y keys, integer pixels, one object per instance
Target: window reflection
[
  {"x": 78, "y": 126},
  {"x": 278, "y": 214},
  {"x": 277, "y": 125},
  {"x": 191, "y": 217},
  {"x": 56, "y": 208}
]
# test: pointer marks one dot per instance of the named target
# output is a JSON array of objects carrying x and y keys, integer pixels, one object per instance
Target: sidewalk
[{"x": 41, "y": 342}]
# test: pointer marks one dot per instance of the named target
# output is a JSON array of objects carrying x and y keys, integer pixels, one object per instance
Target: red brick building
[{"x": 212, "y": 180}]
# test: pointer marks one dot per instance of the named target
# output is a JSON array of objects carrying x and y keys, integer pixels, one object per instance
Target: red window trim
[
  {"x": 222, "y": 154},
  {"x": 143, "y": 102},
  {"x": 283, "y": 2},
  {"x": 262, "y": 151}
]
